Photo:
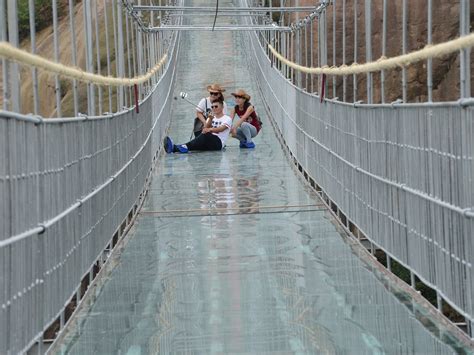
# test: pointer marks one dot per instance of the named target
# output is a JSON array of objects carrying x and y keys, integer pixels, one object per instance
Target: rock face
[
  {"x": 445, "y": 26},
  {"x": 46, "y": 81}
]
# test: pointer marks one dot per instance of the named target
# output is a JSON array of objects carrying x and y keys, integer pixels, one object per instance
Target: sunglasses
[
  {"x": 239, "y": 97},
  {"x": 214, "y": 106},
  {"x": 214, "y": 93}
]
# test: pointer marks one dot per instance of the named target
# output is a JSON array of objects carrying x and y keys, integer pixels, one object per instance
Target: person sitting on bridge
[
  {"x": 204, "y": 107},
  {"x": 248, "y": 125},
  {"x": 214, "y": 134}
]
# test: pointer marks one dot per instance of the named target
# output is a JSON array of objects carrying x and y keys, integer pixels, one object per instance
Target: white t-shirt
[
  {"x": 202, "y": 105},
  {"x": 224, "y": 120}
]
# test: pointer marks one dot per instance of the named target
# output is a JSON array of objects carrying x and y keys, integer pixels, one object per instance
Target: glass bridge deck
[{"x": 233, "y": 253}]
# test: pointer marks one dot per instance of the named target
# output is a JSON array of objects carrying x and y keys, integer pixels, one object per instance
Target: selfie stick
[{"x": 184, "y": 96}]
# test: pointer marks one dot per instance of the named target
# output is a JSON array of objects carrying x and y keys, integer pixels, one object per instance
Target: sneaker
[
  {"x": 242, "y": 145},
  {"x": 249, "y": 145},
  {"x": 168, "y": 144},
  {"x": 182, "y": 148}
]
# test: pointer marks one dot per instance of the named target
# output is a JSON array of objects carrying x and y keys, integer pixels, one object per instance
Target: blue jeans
[{"x": 246, "y": 132}]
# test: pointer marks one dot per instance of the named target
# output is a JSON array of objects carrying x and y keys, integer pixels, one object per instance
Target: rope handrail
[
  {"x": 383, "y": 63},
  {"x": 22, "y": 57}
]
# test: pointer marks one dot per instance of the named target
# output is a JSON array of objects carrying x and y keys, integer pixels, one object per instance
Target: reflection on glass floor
[
  {"x": 254, "y": 281},
  {"x": 257, "y": 278}
]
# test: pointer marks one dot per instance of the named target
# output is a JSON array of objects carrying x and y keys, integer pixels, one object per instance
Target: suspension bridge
[{"x": 347, "y": 230}]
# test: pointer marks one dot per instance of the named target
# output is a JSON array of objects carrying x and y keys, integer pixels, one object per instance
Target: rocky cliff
[{"x": 446, "y": 77}]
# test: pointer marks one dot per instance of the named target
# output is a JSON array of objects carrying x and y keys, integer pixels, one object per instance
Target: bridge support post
[
  {"x": 439, "y": 302},
  {"x": 324, "y": 44},
  {"x": 368, "y": 46},
  {"x": 72, "y": 29},
  {"x": 298, "y": 74},
  {"x": 429, "y": 67},
  {"x": 354, "y": 76},
  {"x": 311, "y": 51},
  {"x": 57, "y": 85},
  {"x": 40, "y": 345},
  {"x": 284, "y": 46},
  {"x": 139, "y": 51},
  {"x": 464, "y": 29},
  {"x": 89, "y": 59},
  {"x": 13, "y": 68},
  {"x": 404, "y": 48},
  {"x": 62, "y": 321},
  {"x": 470, "y": 327},
  {"x": 97, "y": 49},
  {"x": 384, "y": 49}
]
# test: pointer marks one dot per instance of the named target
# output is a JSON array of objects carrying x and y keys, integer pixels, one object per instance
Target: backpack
[{"x": 197, "y": 122}]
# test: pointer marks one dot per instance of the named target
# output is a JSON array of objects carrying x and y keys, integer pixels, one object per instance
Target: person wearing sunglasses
[
  {"x": 204, "y": 107},
  {"x": 248, "y": 125},
  {"x": 214, "y": 134}
]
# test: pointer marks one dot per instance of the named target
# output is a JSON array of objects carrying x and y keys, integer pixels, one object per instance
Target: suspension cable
[{"x": 215, "y": 16}]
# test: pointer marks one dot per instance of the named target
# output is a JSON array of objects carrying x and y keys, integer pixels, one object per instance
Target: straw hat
[
  {"x": 242, "y": 93},
  {"x": 215, "y": 88}
]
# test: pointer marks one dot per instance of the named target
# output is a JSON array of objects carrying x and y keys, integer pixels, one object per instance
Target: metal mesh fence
[{"x": 65, "y": 188}]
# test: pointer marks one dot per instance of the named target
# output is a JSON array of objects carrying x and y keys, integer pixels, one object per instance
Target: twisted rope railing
[
  {"x": 22, "y": 57},
  {"x": 430, "y": 51}
]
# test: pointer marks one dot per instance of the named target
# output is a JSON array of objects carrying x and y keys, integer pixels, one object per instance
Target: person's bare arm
[
  {"x": 221, "y": 128},
  {"x": 208, "y": 122},
  {"x": 201, "y": 117}
]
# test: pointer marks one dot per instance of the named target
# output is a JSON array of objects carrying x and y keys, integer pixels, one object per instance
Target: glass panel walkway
[{"x": 270, "y": 274}]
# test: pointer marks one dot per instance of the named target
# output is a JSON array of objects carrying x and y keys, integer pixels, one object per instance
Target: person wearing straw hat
[
  {"x": 248, "y": 125},
  {"x": 204, "y": 107}
]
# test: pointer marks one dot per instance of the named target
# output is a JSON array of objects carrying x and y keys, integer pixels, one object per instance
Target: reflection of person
[
  {"x": 247, "y": 194},
  {"x": 204, "y": 107},
  {"x": 248, "y": 126},
  {"x": 214, "y": 134},
  {"x": 217, "y": 182}
]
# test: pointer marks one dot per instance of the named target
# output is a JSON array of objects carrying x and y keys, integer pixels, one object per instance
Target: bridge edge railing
[{"x": 53, "y": 183}]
